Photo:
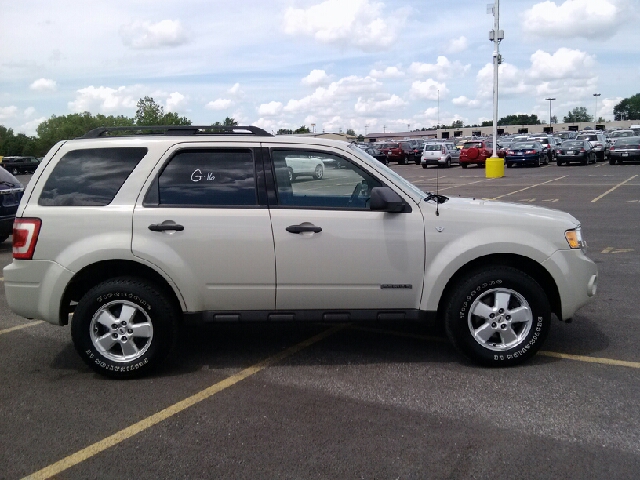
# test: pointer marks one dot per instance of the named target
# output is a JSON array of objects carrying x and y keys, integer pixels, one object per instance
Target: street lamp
[
  {"x": 595, "y": 114},
  {"x": 550, "y": 100}
]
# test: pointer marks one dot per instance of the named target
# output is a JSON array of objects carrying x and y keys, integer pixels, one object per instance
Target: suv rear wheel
[
  {"x": 124, "y": 327},
  {"x": 498, "y": 317}
]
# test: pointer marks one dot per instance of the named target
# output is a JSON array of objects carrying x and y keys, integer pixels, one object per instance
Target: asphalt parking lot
[{"x": 390, "y": 400}]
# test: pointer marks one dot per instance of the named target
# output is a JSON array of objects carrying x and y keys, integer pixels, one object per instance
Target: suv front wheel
[
  {"x": 498, "y": 317},
  {"x": 124, "y": 327}
]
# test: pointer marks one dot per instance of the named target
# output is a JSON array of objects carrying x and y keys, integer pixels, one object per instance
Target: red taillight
[
  {"x": 443, "y": 150},
  {"x": 582, "y": 150},
  {"x": 613, "y": 148},
  {"x": 25, "y": 237}
]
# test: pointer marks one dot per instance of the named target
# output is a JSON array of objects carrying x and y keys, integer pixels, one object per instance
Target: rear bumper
[
  {"x": 631, "y": 155},
  {"x": 34, "y": 288},
  {"x": 572, "y": 158},
  {"x": 522, "y": 159},
  {"x": 6, "y": 225}
]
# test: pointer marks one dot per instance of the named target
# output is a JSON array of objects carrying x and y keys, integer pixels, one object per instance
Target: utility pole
[
  {"x": 595, "y": 114},
  {"x": 495, "y": 167},
  {"x": 550, "y": 100}
]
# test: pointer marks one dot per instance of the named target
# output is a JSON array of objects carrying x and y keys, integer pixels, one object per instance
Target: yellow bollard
[{"x": 494, "y": 167}]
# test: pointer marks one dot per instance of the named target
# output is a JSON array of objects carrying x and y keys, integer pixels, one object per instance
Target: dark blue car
[
  {"x": 11, "y": 191},
  {"x": 526, "y": 153}
]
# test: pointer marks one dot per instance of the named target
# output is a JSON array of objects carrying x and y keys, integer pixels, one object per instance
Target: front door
[{"x": 332, "y": 252}]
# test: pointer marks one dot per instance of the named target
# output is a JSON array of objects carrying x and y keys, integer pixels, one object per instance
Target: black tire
[
  {"x": 612, "y": 161},
  {"x": 509, "y": 164},
  {"x": 585, "y": 161},
  {"x": 516, "y": 290},
  {"x": 15, "y": 171},
  {"x": 3, "y": 238},
  {"x": 447, "y": 163},
  {"x": 402, "y": 161},
  {"x": 424, "y": 165},
  {"x": 538, "y": 162},
  {"x": 559, "y": 162},
  {"x": 417, "y": 160},
  {"x": 318, "y": 172},
  {"x": 149, "y": 312},
  {"x": 464, "y": 165}
]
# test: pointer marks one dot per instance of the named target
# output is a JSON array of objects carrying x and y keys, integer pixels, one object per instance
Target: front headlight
[{"x": 574, "y": 238}]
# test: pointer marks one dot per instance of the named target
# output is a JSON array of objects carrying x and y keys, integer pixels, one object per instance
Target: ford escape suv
[{"x": 128, "y": 232}]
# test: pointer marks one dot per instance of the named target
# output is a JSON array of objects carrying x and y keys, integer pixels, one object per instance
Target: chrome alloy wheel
[
  {"x": 500, "y": 319},
  {"x": 121, "y": 331}
]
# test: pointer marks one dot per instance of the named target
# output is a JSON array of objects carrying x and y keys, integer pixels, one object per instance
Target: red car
[
  {"x": 475, "y": 152},
  {"x": 394, "y": 153}
]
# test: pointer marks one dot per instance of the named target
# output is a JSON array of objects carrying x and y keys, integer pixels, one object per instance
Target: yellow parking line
[
  {"x": 612, "y": 189},
  {"x": 20, "y": 327},
  {"x": 582, "y": 358},
  {"x": 565, "y": 356},
  {"x": 122, "y": 435},
  {"x": 527, "y": 188}
]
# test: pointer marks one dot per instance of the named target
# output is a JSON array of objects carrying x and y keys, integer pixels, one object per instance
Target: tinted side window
[
  {"x": 90, "y": 177},
  {"x": 209, "y": 178}
]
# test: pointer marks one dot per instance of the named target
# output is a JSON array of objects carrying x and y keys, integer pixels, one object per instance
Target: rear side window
[
  {"x": 90, "y": 177},
  {"x": 209, "y": 178}
]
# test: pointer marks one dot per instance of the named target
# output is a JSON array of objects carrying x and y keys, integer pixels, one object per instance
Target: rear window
[
  {"x": 90, "y": 177},
  {"x": 472, "y": 144},
  {"x": 628, "y": 141},
  {"x": 573, "y": 143},
  {"x": 591, "y": 138},
  {"x": 432, "y": 148}
]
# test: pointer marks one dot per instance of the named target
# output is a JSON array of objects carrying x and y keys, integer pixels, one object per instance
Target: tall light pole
[
  {"x": 496, "y": 35},
  {"x": 438, "y": 125},
  {"x": 595, "y": 114},
  {"x": 550, "y": 100}
]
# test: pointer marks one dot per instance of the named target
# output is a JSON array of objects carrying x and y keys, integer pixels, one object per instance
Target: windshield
[
  {"x": 573, "y": 143},
  {"x": 405, "y": 184}
]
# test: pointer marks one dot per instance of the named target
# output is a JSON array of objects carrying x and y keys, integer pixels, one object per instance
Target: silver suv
[
  {"x": 129, "y": 236},
  {"x": 599, "y": 143},
  {"x": 442, "y": 154}
]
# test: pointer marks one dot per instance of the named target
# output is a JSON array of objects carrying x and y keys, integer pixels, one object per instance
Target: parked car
[
  {"x": 598, "y": 142},
  {"x": 305, "y": 166},
  {"x": 547, "y": 145},
  {"x": 624, "y": 150},
  {"x": 442, "y": 154},
  {"x": 568, "y": 135},
  {"x": 621, "y": 133},
  {"x": 411, "y": 155},
  {"x": 127, "y": 238},
  {"x": 377, "y": 154},
  {"x": 526, "y": 153},
  {"x": 20, "y": 165},
  {"x": 11, "y": 191},
  {"x": 575, "y": 151},
  {"x": 474, "y": 152},
  {"x": 394, "y": 153}
]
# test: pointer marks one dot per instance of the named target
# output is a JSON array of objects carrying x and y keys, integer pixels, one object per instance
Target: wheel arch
[
  {"x": 526, "y": 265},
  {"x": 96, "y": 273}
]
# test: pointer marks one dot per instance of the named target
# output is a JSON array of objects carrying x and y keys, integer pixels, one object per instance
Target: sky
[{"x": 366, "y": 65}]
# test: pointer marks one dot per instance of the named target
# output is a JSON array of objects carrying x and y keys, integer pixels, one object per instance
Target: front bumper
[{"x": 576, "y": 277}]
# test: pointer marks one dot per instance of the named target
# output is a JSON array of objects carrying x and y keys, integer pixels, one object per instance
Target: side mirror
[{"x": 384, "y": 199}]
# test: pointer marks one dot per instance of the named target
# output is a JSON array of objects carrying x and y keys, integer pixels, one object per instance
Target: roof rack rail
[{"x": 177, "y": 130}]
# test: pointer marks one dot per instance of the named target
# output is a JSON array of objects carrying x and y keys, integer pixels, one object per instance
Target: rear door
[{"x": 205, "y": 223}]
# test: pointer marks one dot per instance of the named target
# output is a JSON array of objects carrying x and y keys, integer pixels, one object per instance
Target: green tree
[
  {"x": 628, "y": 108},
  {"x": 351, "y": 132},
  {"x": 148, "y": 112},
  {"x": 578, "y": 114},
  {"x": 519, "y": 120},
  {"x": 457, "y": 124},
  {"x": 19, "y": 144},
  {"x": 230, "y": 122},
  {"x": 285, "y": 131},
  {"x": 302, "y": 129},
  {"x": 360, "y": 138},
  {"x": 487, "y": 123}
]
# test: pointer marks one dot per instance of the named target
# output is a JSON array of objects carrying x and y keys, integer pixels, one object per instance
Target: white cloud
[
  {"x": 316, "y": 77},
  {"x": 270, "y": 109},
  {"x": 144, "y": 35},
  {"x": 29, "y": 111},
  {"x": 457, "y": 45},
  {"x": 356, "y": 23},
  {"x": 429, "y": 89},
  {"x": 511, "y": 78},
  {"x": 442, "y": 69},
  {"x": 565, "y": 63},
  {"x": 389, "y": 72},
  {"x": 175, "y": 101},
  {"x": 371, "y": 106},
  {"x": 29, "y": 128},
  {"x": 105, "y": 99},
  {"x": 8, "y": 112},
  {"x": 235, "y": 91},
  {"x": 43, "y": 85},
  {"x": 326, "y": 97},
  {"x": 465, "y": 102},
  {"x": 219, "y": 104},
  {"x": 605, "y": 108},
  {"x": 574, "y": 18}
]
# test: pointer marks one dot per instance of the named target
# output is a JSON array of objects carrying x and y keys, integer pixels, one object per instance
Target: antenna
[{"x": 437, "y": 185}]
